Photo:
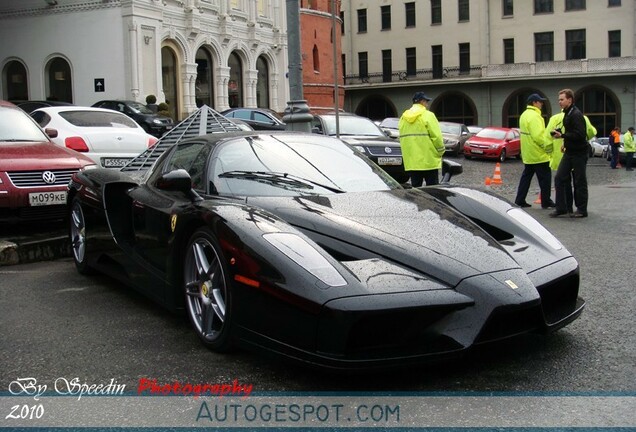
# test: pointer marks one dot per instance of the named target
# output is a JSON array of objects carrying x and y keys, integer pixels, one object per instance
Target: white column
[
  {"x": 134, "y": 60},
  {"x": 222, "y": 78}
]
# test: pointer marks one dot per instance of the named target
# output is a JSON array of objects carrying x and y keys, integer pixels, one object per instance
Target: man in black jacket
[{"x": 574, "y": 160}]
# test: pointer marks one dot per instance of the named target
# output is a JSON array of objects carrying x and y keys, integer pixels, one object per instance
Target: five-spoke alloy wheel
[
  {"x": 207, "y": 291},
  {"x": 77, "y": 233}
]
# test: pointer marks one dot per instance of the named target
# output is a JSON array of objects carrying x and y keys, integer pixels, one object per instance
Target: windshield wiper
[{"x": 278, "y": 179}]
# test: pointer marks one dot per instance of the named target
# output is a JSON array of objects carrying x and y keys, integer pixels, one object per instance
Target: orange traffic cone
[
  {"x": 488, "y": 181},
  {"x": 538, "y": 200},
  {"x": 496, "y": 178}
]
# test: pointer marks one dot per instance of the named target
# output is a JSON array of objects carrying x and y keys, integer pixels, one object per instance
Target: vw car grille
[{"x": 26, "y": 179}]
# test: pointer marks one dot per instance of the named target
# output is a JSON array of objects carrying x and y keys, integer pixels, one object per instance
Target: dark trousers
[
  {"x": 431, "y": 177},
  {"x": 574, "y": 167},
  {"x": 544, "y": 177},
  {"x": 629, "y": 157},
  {"x": 614, "y": 161}
]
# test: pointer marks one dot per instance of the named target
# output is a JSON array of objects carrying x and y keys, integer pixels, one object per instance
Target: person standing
[
  {"x": 536, "y": 160},
  {"x": 556, "y": 122},
  {"x": 421, "y": 142},
  {"x": 630, "y": 148},
  {"x": 574, "y": 159},
  {"x": 614, "y": 145}
]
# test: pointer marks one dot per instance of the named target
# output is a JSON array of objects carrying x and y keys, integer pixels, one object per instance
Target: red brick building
[{"x": 316, "y": 21}]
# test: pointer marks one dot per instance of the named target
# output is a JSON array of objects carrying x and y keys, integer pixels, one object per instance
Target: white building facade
[
  {"x": 480, "y": 59},
  {"x": 221, "y": 53}
]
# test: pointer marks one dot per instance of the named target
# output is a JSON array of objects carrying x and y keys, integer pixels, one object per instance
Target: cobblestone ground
[{"x": 476, "y": 171}]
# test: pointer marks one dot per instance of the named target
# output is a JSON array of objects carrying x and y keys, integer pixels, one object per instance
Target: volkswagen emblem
[
  {"x": 120, "y": 138},
  {"x": 48, "y": 177},
  {"x": 388, "y": 150}
]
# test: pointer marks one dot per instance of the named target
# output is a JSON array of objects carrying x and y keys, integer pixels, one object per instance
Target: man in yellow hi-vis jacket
[
  {"x": 534, "y": 153},
  {"x": 421, "y": 142}
]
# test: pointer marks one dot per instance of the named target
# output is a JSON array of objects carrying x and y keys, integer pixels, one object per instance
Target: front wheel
[
  {"x": 207, "y": 291},
  {"x": 502, "y": 155},
  {"x": 77, "y": 234}
]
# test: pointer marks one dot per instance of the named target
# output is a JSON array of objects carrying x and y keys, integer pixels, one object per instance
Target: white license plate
[
  {"x": 476, "y": 151},
  {"x": 390, "y": 160},
  {"x": 114, "y": 162},
  {"x": 47, "y": 198}
]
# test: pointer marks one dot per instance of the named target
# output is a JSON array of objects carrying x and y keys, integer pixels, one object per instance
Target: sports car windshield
[{"x": 283, "y": 165}]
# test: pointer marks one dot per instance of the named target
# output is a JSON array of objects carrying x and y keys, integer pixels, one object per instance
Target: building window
[
  {"x": 438, "y": 61},
  {"x": 463, "y": 7},
  {"x": 614, "y": 38},
  {"x": 387, "y": 68},
  {"x": 612, "y": 3},
  {"x": 464, "y": 57},
  {"x": 385, "y": 12},
  {"x": 509, "y": 51},
  {"x": 59, "y": 84},
  {"x": 363, "y": 64},
  {"x": 316, "y": 57},
  {"x": 575, "y": 44},
  {"x": 411, "y": 61},
  {"x": 455, "y": 107},
  {"x": 15, "y": 81},
  {"x": 543, "y": 6},
  {"x": 342, "y": 20},
  {"x": 600, "y": 107},
  {"x": 343, "y": 60},
  {"x": 436, "y": 11},
  {"x": 544, "y": 46},
  {"x": 508, "y": 9},
  {"x": 235, "y": 84},
  {"x": 204, "y": 88},
  {"x": 362, "y": 20},
  {"x": 262, "y": 85},
  {"x": 409, "y": 8},
  {"x": 574, "y": 5}
]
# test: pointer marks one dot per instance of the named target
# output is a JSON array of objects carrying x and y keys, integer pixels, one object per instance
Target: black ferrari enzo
[{"x": 298, "y": 244}]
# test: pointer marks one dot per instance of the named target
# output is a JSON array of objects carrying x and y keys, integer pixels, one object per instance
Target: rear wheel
[
  {"x": 77, "y": 233},
  {"x": 207, "y": 291},
  {"x": 502, "y": 155}
]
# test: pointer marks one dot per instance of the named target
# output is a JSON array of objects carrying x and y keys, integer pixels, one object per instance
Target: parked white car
[{"x": 109, "y": 138}]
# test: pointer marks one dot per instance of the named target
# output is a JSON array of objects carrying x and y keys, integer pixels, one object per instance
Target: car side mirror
[
  {"x": 51, "y": 133},
  {"x": 449, "y": 169},
  {"x": 177, "y": 181}
]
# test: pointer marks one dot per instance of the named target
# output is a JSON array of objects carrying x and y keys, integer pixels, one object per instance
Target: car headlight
[
  {"x": 156, "y": 121},
  {"x": 88, "y": 167},
  {"x": 494, "y": 146},
  {"x": 305, "y": 255},
  {"x": 359, "y": 148}
]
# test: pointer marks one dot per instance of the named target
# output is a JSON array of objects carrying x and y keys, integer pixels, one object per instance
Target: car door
[
  {"x": 155, "y": 211},
  {"x": 514, "y": 143}
]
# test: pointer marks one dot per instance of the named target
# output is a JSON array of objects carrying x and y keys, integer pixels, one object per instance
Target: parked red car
[
  {"x": 34, "y": 172},
  {"x": 494, "y": 143}
]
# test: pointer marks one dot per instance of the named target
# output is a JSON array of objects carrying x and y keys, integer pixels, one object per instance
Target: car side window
[
  {"x": 191, "y": 157},
  {"x": 41, "y": 118},
  {"x": 242, "y": 114},
  {"x": 259, "y": 117}
]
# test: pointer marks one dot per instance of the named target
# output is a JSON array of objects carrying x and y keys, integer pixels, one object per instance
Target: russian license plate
[
  {"x": 114, "y": 162},
  {"x": 47, "y": 198},
  {"x": 476, "y": 151},
  {"x": 390, "y": 160}
]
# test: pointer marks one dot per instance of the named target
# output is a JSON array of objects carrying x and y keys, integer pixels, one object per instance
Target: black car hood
[{"x": 447, "y": 246}]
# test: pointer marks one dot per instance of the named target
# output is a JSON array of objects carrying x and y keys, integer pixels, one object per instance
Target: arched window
[
  {"x": 169, "y": 80},
  {"x": 203, "y": 87},
  {"x": 262, "y": 87},
  {"x": 600, "y": 106},
  {"x": 454, "y": 107},
  {"x": 59, "y": 82},
  {"x": 14, "y": 77},
  {"x": 516, "y": 104},
  {"x": 235, "y": 84}
]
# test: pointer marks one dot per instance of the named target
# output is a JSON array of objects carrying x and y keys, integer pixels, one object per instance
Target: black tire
[
  {"x": 78, "y": 237},
  {"x": 502, "y": 155},
  {"x": 208, "y": 294},
  {"x": 469, "y": 157}
]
